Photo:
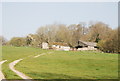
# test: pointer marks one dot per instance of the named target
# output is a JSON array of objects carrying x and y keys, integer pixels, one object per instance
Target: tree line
[{"x": 105, "y": 37}]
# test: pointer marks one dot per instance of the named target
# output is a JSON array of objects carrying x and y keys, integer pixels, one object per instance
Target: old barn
[{"x": 82, "y": 45}]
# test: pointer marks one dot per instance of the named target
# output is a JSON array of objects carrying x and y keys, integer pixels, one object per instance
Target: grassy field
[
  {"x": 60, "y": 64},
  {"x": 13, "y": 53}
]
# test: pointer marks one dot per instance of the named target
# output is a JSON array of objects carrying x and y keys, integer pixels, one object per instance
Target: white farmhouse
[
  {"x": 60, "y": 46},
  {"x": 45, "y": 45}
]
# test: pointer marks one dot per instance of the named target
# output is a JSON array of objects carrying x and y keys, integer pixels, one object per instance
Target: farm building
[
  {"x": 45, "y": 45},
  {"x": 82, "y": 45},
  {"x": 60, "y": 46}
]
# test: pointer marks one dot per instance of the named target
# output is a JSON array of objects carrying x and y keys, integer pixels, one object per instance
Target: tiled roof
[{"x": 89, "y": 43}]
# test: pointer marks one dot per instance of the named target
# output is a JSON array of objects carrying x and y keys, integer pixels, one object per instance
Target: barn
[{"x": 82, "y": 45}]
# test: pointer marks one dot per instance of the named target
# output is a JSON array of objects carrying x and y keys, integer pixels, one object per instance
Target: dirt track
[
  {"x": 1, "y": 74},
  {"x": 22, "y": 75},
  {"x": 11, "y": 66}
]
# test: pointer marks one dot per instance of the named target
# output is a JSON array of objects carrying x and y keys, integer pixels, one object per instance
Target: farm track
[
  {"x": 11, "y": 66},
  {"x": 1, "y": 74},
  {"x": 42, "y": 54},
  {"x": 39, "y": 55},
  {"x": 20, "y": 74}
]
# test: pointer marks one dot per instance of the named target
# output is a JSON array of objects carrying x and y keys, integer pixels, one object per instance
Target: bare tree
[{"x": 98, "y": 31}]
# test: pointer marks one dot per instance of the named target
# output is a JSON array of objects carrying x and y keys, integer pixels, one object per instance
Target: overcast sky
[{"x": 22, "y": 18}]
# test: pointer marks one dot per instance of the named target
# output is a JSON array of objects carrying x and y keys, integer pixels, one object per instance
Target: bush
[{"x": 17, "y": 41}]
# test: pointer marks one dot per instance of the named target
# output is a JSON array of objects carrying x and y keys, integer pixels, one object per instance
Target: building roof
[
  {"x": 60, "y": 43},
  {"x": 88, "y": 43}
]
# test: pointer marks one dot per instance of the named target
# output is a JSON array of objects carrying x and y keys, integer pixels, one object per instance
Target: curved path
[
  {"x": 42, "y": 54},
  {"x": 1, "y": 74},
  {"x": 39, "y": 55},
  {"x": 11, "y": 66},
  {"x": 23, "y": 76}
]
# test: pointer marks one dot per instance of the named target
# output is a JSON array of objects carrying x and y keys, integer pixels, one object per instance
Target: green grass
[
  {"x": 13, "y": 53},
  {"x": 61, "y": 64}
]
